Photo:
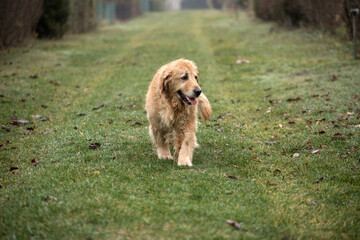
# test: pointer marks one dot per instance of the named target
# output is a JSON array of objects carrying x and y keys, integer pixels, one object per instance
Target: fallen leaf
[
  {"x": 37, "y": 116},
  {"x": 235, "y": 225},
  {"x": 136, "y": 124},
  {"x": 219, "y": 130},
  {"x": 274, "y": 101},
  {"x": 338, "y": 136},
  {"x": 96, "y": 172},
  {"x": 44, "y": 106},
  {"x": 270, "y": 184},
  {"x": 322, "y": 132},
  {"x": 45, "y": 119},
  {"x": 276, "y": 172},
  {"x": 94, "y": 145},
  {"x": 333, "y": 77},
  {"x": 48, "y": 198},
  {"x": 34, "y": 162},
  {"x": 81, "y": 114},
  {"x": 5, "y": 128},
  {"x": 296, "y": 155},
  {"x": 98, "y": 107},
  {"x": 231, "y": 176},
  {"x": 315, "y": 151},
  {"x": 14, "y": 170},
  {"x": 33, "y": 76},
  {"x": 269, "y": 143},
  {"x": 240, "y": 61},
  {"x": 291, "y": 123},
  {"x": 55, "y": 83},
  {"x": 319, "y": 180},
  {"x": 294, "y": 99},
  {"x": 47, "y": 132},
  {"x": 21, "y": 121},
  {"x": 313, "y": 203},
  {"x": 111, "y": 121}
]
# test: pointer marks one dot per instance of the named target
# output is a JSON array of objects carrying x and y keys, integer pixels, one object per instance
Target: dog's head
[{"x": 180, "y": 78}]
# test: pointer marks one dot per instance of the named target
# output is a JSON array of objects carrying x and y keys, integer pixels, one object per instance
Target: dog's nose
[{"x": 197, "y": 91}]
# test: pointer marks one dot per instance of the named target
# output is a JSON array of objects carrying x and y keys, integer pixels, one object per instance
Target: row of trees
[
  {"x": 324, "y": 14},
  {"x": 20, "y": 20}
]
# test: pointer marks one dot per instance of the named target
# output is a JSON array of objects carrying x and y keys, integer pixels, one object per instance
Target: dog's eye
[
  {"x": 185, "y": 77},
  {"x": 196, "y": 77}
]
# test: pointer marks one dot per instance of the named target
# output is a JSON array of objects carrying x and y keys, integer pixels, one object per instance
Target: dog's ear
[
  {"x": 165, "y": 84},
  {"x": 165, "y": 80}
]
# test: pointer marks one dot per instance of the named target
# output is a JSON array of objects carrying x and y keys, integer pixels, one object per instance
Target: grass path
[{"x": 298, "y": 94}]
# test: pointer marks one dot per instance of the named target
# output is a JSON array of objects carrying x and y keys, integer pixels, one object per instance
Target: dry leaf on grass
[
  {"x": 34, "y": 162},
  {"x": 98, "y": 107},
  {"x": 94, "y": 145},
  {"x": 235, "y": 225},
  {"x": 5, "y": 128},
  {"x": 14, "y": 170},
  {"x": 48, "y": 198},
  {"x": 240, "y": 61},
  {"x": 338, "y": 136}
]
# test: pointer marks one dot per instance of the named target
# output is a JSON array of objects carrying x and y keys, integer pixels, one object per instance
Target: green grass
[{"x": 122, "y": 191}]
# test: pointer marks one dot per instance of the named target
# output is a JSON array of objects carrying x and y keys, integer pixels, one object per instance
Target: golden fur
[{"x": 172, "y": 102}]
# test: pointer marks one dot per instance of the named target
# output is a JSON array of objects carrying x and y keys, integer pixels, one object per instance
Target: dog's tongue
[{"x": 191, "y": 100}]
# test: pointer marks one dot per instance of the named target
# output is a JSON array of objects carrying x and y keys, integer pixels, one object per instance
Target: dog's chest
[{"x": 176, "y": 117}]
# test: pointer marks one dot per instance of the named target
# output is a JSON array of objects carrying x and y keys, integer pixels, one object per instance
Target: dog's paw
[
  {"x": 165, "y": 156},
  {"x": 185, "y": 162}
]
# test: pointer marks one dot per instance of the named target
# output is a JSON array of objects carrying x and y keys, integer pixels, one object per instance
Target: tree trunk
[{"x": 210, "y": 4}]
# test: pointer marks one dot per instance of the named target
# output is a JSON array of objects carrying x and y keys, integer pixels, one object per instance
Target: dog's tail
[{"x": 204, "y": 106}]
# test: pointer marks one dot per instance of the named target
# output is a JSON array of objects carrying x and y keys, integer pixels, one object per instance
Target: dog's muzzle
[{"x": 190, "y": 100}]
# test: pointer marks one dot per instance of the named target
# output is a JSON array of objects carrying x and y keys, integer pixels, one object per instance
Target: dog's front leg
[
  {"x": 162, "y": 145},
  {"x": 185, "y": 144}
]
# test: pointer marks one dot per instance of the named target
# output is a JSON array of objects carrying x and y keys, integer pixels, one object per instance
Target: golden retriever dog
[{"x": 172, "y": 102}]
